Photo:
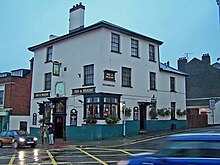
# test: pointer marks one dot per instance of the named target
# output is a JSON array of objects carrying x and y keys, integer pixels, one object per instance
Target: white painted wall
[
  {"x": 14, "y": 122},
  {"x": 216, "y": 114},
  {"x": 94, "y": 47}
]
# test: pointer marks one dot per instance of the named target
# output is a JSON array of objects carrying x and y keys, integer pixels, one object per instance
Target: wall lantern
[{"x": 153, "y": 100}]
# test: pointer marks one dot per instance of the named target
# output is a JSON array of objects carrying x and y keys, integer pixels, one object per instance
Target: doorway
[
  {"x": 143, "y": 109},
  {"x": 59, "y": 126},
  {"x": 23, "y": 125}
]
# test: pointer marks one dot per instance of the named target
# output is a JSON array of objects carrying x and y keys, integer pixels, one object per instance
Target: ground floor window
[{"x": 101, "y": 105}]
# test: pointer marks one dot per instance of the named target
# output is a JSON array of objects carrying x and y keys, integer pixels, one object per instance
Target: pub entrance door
[
  {"x": 143, "y": 109},
  {"x": 58, "y": 124},
  {"x": 59, "y": 116}
]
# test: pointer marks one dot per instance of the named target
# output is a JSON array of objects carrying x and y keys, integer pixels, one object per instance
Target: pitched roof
[
  {"x": 100, "y": 24},
  {"x": 167, "y": 68},
  {"x": 216, "y": 65}
]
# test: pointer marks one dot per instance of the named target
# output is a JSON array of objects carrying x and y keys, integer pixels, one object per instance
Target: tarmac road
[{"x": 95, "y": 152}]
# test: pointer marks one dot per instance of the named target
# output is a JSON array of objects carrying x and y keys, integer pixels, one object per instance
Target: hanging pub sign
[
  {"x": 109, "y": 75},
  {"x": 83, "y": 91},
  {"x": 56, "y": 68}
]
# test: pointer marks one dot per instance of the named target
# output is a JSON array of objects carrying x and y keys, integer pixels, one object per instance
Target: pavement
[{"x": 119, "y": 141}]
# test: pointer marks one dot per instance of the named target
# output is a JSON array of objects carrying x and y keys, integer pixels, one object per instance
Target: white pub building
[{"x": 96, "y": 73}]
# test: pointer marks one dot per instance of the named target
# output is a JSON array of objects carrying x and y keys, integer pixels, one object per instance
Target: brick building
[
  {"x": 15, "y": 89},
  {"x": 202, "y": 85}
]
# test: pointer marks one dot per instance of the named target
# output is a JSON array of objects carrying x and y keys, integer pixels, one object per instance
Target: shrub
[
  {"x": 153, "y": 113},
  {"x": 90, "y": 120},
  {"x": 180, "y": 113},
  {"x": 111, "y": 119},
  {"x": 163, "y": 112},
  {"x": 127, "y": 112}
]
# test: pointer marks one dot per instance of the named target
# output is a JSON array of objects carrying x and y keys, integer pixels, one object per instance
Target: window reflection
[
  {"x": 59, "y": 106},
  {"x": 101, "y": 106}
]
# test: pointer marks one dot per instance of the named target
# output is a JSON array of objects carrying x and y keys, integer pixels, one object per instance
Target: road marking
[
  {"x": 139, "y": 141},
  {"x": 52, "y": 158},
  {"x": 92, "y": 156},
  {"x": 12, "y": 160},
  {"x": 125, "y": 152}
]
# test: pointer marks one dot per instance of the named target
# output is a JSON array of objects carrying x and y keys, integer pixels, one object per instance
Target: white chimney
[{"x": 76, "y": 17}]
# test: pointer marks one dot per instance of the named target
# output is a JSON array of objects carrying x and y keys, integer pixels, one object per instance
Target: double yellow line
[
  {"x": 12, "y": 160},
  {"x": 92, "y": 156},
  {"x": 51, "y": 157}
]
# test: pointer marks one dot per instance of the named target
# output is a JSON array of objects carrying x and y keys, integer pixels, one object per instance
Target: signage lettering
[
  {"x": 42, "y": 94},
  {"x": 109, "y": 75},
  {"x": 83, "y": 91}
]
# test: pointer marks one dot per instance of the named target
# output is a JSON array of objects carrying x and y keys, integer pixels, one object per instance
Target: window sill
[
  {"x": 153, "y": 61},
  {"x": 173, "y": 91},
  {"x": 153, "y": 89},
  {"x": 135, "y": 56},
  {"x": 88, "y": 85},
  {"x": 48, "y": 61},
  {"x": 127, "y": 86},
  {"x": 47, "y": 90},
  {"x": 115, "y": 52}
]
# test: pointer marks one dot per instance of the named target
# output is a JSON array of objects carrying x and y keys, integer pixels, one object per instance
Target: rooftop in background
[
  {"x": 167, "y": 68},
  {"x": 15, "y": 73}
]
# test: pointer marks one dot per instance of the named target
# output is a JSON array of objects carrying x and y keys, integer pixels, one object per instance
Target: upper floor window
[
  {"x": 134, "y": 48},
  {"x": 47, "y": 81},
  {"x": 151, "y": 52},
  {"x": 152, "y": 80},
  {"x": 1, "y": 97},
  {"x": 115, "y": 43},
  {"x": 89, "y": 75},
  {"x": 49, "y": 54},
  {"x": 126, "y": 77},
  {"x": 172, "y": 84}
]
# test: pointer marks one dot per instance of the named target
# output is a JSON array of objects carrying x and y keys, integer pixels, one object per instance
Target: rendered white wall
[{"x": 94, "y": 47}]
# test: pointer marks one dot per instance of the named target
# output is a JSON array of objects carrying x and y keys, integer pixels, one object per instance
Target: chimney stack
[
  {"x": 182, "y": 61},
  {"x": 76, "y": 17},
  {"x": 206, "y": 58}
]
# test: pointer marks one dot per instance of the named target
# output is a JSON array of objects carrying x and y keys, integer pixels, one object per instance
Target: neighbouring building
[
  {"x": 202, "y": 85},
  {"x": 98, "y": 72},
  {"x": 15, "y": 92}
]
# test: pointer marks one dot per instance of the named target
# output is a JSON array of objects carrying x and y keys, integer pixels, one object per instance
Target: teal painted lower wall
[
  {"x": 36, "y": 132},
  {"x": 158, "y": 125},
  {"x": 89, "y": 132},
  {"x": 99, "y": 132}
]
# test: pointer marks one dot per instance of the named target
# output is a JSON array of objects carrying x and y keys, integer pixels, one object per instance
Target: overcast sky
[{"x": 185, "y": 26}]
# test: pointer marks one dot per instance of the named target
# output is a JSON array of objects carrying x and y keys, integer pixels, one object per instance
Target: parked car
[
  {"x": 182, "y": 149},
  {"x": 17, "y": 138}
]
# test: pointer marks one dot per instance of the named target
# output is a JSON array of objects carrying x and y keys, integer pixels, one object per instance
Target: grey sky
[{"x": 185, "y": 26}]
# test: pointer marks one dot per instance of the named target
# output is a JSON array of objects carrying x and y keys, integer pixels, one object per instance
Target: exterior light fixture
[{"x": 80, "y": 101}]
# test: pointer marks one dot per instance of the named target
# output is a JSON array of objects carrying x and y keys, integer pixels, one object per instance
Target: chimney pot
[
  {"x": 76, "y": 17},
  {"x": 206, "y": 58}
]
